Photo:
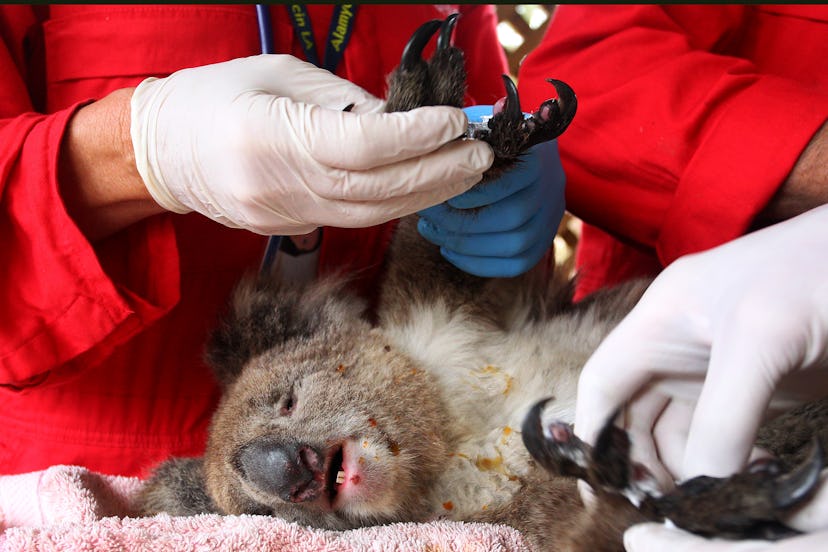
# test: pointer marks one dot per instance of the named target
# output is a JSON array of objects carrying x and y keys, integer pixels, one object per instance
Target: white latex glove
[
  {"x": 263, "y": 143},
  {"x": 654, "y": 537},
  {"x": 716, "y": 337}
]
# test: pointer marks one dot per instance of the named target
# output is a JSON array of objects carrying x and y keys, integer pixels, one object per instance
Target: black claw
[
  {"x": 559, "y": 457},
  {"x": 611, "y": 456},
  {"x": 532, "y": 433},
  {"x": 446, "y": 30},
  {"x": 413, "y": 52},
  {"x": 797, "y": 485},
  {"x": 606, "y": 437},
  {"x": 567, "y": 101},
  {"x": 511, "y": 110}
]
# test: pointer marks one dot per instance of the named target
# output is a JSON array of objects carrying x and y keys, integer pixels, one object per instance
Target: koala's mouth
[{"x": 336, "y": 473}]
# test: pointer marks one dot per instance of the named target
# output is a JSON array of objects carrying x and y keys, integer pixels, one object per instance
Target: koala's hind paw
[{"x": 750, "y": 504}]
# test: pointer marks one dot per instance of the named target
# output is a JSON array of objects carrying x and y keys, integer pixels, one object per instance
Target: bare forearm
[
  {"x": 99, "y": 182},
  {"x": 806, "y": 186}
]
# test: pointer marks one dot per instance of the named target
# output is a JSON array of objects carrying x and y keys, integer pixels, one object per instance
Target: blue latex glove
[{"x": 504, "y": 227}]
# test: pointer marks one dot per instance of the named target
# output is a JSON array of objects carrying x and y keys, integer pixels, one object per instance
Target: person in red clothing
[
  {"x": 106, "y": 297},
  {"x": 695, "y": 124}
]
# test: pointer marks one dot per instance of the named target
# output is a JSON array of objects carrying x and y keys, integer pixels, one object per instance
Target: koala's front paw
[
  {"x": 442, "y": 81},
  {"x": 177, "y": 488},
  {"x": 511, "y": 133},
  {"x": 750, "y": 504},
  {"x": 606, "y": 466}
]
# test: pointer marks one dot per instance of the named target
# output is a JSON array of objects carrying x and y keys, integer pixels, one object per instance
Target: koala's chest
[
  {"x": 488, "y": 379},
  {"x": 488, "y": 461}
]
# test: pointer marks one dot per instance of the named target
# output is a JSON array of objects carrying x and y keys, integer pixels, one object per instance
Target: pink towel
[{"x": 71, "y": 508}]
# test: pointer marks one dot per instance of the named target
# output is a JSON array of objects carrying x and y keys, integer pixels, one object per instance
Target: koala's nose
[{"x": 292, "y": 471}]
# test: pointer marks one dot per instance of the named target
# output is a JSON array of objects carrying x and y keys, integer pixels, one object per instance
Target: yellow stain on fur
[
  {"x": 507, "y": 431},
  {"x": 489, "y": 464},
  {"x": 490, "y": 371}
]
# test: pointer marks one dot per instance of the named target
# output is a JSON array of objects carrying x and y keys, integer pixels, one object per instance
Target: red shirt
[
  {"x": 101, "y": 343},
  {"x": 689, "y": 119}
]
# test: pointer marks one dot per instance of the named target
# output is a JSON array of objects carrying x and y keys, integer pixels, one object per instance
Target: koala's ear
[{"x": 267, "y": 315}]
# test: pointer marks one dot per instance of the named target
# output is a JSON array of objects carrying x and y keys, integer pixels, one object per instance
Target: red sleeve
[
  {"x": 58, "y": 305},
  {"x": 676, "y": 145},
  {"x": 476, "y": 35}
]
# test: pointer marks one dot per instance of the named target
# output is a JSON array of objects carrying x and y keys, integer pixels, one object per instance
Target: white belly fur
[{"x": 490, "y": 379}]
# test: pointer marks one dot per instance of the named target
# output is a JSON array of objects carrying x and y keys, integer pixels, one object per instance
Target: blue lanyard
[
  {"x": 342, "y": 23},
  {"x": 339, "y": 33},
  {"x": 265, "y": 29}
]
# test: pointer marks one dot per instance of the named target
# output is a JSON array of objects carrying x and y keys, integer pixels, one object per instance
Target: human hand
[
  {"x": 503, "y": 227},
  {"x": 717, "y": 338},
  {"x": 655, "y": 537},
  {"x": 263, "y": 143}
]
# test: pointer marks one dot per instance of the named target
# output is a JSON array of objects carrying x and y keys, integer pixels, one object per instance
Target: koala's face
[{"x": 337, "y": 430}]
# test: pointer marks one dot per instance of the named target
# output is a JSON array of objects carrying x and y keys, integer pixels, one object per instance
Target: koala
[
  {"x": 333, "y": 421},
  {"x": 453, "y": 399}
]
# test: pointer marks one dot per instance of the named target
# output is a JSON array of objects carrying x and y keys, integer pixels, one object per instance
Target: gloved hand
[
  {"x": 717, "y": 339},
  {"x": 504, "y": 227},
  {"x": 654, "y": 537},
  {"x": 263, "y": 143}
]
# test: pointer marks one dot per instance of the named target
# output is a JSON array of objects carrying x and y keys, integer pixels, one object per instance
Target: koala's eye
[{"x": 287, "y": 405}]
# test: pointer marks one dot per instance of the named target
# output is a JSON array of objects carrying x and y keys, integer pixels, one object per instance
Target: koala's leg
[
  {"x": 417, "y": 275},
  {"x": 417, "y": 272},
  {"x": 177, "y": 488}
]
